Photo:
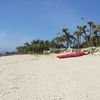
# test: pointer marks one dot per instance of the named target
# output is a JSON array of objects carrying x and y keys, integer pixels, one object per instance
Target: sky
[{"x": 25, "y": 20}]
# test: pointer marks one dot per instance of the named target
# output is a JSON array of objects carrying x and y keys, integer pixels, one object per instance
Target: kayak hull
[{"x": 71, "y": 55}]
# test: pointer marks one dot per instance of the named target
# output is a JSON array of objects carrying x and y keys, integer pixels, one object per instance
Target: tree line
[{"x": 84, "y": 36}]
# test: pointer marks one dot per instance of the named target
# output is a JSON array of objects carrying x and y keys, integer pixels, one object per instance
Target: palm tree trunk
[
  {"x": 86, "y": 37},
  {"x": 97, "y": 42},
  {"x": 90, "y": 36},
  {"x": 67, "y": 43},
  {"x": 78, "y": 42},
  {"x": 91, "y": 40}
]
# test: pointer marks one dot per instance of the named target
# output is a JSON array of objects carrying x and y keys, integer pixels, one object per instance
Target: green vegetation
[{"x": 84, "y": 36}]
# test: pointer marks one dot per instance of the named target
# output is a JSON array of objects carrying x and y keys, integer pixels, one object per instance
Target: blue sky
[{"x": 25, "y": 20}]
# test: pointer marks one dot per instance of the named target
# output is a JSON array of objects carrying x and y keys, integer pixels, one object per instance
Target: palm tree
[
  {"x": 74, "y": 41},
  {"x": 83, "y": 31},
  {"x": 90, "y": 23},
  {"x": 22, "y": 50},
  {"x": 39, "y": 46},
  {"x": 95, "y": 32},
  {"x": 66, "y": 36},
  {"x": 28, "y": 47},
  {"x": 56, "y": 42},
  {"x": 78, "y": 35}
]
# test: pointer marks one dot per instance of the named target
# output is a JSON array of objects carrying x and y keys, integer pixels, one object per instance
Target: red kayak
[{"x": 71, "y": 55}]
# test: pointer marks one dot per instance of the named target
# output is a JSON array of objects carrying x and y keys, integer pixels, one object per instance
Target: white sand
[{"x": 27, "y": 77}]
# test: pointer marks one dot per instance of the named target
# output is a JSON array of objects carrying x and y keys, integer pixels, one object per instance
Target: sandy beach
[{"x": 45, "y": 77}]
